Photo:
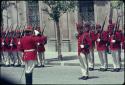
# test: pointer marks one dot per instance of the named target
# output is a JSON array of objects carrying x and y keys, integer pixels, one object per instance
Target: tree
[
  {"x": 116, "y": 5},
  {"x": 55, "y": 10}
]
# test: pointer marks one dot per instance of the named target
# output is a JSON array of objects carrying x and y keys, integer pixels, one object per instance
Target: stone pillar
[
  {"x": 101, "y": 10},
  {"x": 22, "y": 12}
]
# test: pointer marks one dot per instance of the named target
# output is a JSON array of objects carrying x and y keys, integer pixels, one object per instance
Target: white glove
[
  {"x": 11, "y": 44},
  {"x": 113, "y": 41},
  {"x": 38, "y": 43},
  {"x": 36, "y": 32},
  {"x": 2, "y": 43},
  {"x": 98, "y": 40},
  {"x": 82, "y": 46},
  {"x": 19, "y": 43}
]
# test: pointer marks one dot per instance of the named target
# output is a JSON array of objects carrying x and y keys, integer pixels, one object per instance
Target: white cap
[{"x": 36, "y": 32}]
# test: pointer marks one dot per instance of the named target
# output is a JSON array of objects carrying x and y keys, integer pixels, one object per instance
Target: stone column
[{"x": 101, "y": 10}]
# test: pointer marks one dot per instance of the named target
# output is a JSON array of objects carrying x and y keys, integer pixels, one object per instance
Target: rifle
[
  {"x": 43, "y": 29},
  {"x": 115, "y": 27},
  {"x": 102, "y": 27},
  {"x": 12, "y": 37}
]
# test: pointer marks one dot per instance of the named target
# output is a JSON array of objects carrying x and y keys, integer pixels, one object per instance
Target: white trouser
[
  {"x": 91, "y": 59},
  {"x": 40, "y": 58},
  {"x": 6, "y": 58},
  {"x": 20, "y": 54},
  {"x": 2, "y": 58},
  {"x": 84, "y": 64},
  {"x": 116, "y": 59},
  {"x": 29, "y": 66},
  {"x": 13, "y": 58},
  {"x": 119, "y": 52},
  {"x": 103, "y": 59}
]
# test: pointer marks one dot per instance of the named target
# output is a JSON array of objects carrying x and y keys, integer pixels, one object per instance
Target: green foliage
[
  {"x": 57, "y": 8},
  {"x": 116, "y": 4}
]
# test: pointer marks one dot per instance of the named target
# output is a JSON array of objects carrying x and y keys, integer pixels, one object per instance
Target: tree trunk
[{"x": 58, "y": 41}]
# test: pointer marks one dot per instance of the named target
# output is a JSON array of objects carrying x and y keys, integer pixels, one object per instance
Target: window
[
  {"x": 86, "y": 9},
  {"x": 33, "y": 13}
]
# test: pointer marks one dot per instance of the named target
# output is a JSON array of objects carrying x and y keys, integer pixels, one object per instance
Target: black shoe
[
  {"x": 117, "y": 69},
  {"x": 85, "y": 78},
  {"x": 91, "y": 69},
  {"x": 7, "y": 65},
  {"x": 114, "y": 70},
  {"x": 11, "y": 64},
  {"x": 101, "y": 69},
  {"x": 28, "y": 77},
  {"x": 82, "y": 77},
  {"x": 104, "y": 69},
  {"x": 43, "y": 65}
]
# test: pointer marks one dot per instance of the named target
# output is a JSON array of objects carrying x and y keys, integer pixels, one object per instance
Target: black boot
[{"x": 28, "y": 77}]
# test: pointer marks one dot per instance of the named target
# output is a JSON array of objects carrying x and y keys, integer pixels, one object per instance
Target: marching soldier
[
  {"x": 110, "y": 28},
  {"x": 13, "y": 49},
  {"x": 28, "y": 46},
  {"x": 40, "y": 47},
  {"x": 123, "y": 43},
  {"x": 20, "y": 61},
  {"x": 5, "y": 49},
  {"x": 87, "y": 28},
  {"x": 83, "y": 51},
  {"x": 101, "y": 42},
  {"x": 115, "y": 46}
]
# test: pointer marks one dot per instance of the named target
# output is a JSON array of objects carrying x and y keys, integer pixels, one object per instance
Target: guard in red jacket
[
  {"x": 5, "y": 50},
  {"x": 13, "y": 49},
  {"x": 101, "y": 43},
  {"x": 110, "y": 29},
  {"x": 20, "y": 53},
  {"x": 83, "y": 51},
  {"x": 123, "y": 43},
  {"x": 28, "y": 46},
  {"x": 91, "y": 34},
  {"x": 40, "y": 47},
  {"x": 115, "y": 46}
]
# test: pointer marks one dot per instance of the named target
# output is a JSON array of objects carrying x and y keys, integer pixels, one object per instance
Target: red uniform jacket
[
  {"x": 5, "y": 46},
  {"x": 123, "y": 42},
  {"x": 19, "y": 44},
  {"x": 14, "y": 46},
  {"x": 93, "y": 38},
  {"x": 41, "y": 48},
  {"x": 102, "y": 44},
  {"x": 0, "y": 44},
  {"x": 84, "y": 40},
  {"x": 28, "y": 45},
  {"x": 118, "y": 39}
]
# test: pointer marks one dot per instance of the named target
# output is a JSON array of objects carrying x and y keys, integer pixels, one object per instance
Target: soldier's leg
[
  {"x": 118, "y": 60},
  {"x": 114, "y": 60},
  {"x": 29, "y": 66},
  {"x": 119, "y": 52},
  {"x": 15, "y": 58},
  {"x": 2, "y": 58},
  {"x": 84, "y": 65},
  {"x": 91, "y": 60},
  {"x": 7, "y": 58},
  {"x": 100, "y": 53},
  {"x": 39, "y": 58},
  {"x": 20, "y": 54},
  {"x": 43, "y": 58},
  {"x": 11, "y": 58},
  {"x": 105, "y": 66}
]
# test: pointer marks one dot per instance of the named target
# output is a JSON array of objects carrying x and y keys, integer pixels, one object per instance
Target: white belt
[{"x": 29, "y": 50}]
